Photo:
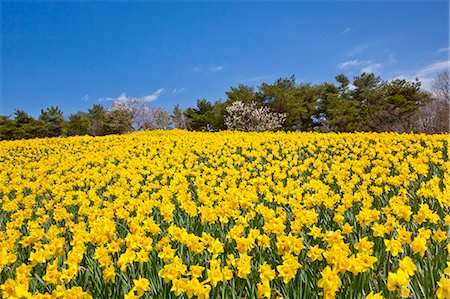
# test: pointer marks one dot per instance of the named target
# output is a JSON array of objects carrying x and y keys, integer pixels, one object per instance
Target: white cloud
[
  {"x": 426, "y": 73},
  {"x": 257, "y": 78},
  {"x": 350, "y": 63},
  {"x": 434, "y": 68},
  {"x": 123, "y": 97},
  {"x": 203, "y": 68},
  {"x": 215, "y": 68},
  {"x": 346, "y": 30},
  {"x": 178, "y": 90},
  {"x": 85, "y": 98},
  {"x": 107, "y": 99},
  {"x": 372, "y": 68},
  {"x": 358, "y": 50},
  {"x": 368, "y": 66},
  {"x": 154, "y": 95},
  {"x": 443, "y": 50},
  {"x": 392, "y": 59}
]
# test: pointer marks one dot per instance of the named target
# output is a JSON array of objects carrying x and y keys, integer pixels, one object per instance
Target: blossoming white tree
[{"x": 247, "y": 118}]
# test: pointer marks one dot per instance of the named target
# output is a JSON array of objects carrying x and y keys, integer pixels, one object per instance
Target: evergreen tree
[
  {"x": 97, "y": 119},
  {"x": 53, "y": 121},
  {"x": 78, "y": 124}
]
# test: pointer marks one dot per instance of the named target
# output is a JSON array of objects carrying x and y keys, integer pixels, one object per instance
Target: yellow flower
[
  {"x": 364, "y": 246},
  {"x": 192, "y": 287},
  {"x": 419, "y": 245},
  {"x": 167, "y": 253},
  {"x": 141, "y": 285},
  {"x": 393, "y": 246},
  {"x": 244, "y": 265},
  {"x": 399, "y": 281},
  {"x": 216, "y": 248},
  {"x": 373, "y": 295},
  {"x": 266, "y": 272},
  {"x": 443, "y": 290},
  {"x": 196, "y": 271},
  {"x": 215, "y": 276},
  {"x": 447, "y": 270},
  {"x": 347, "y": 228},
  {"x": 9, "y": 288},
  {"x": 315, "y": 232},
  {"x": 179, "y": 286},
  {"x": 227, "y": 273},
  {"x": 315, "y": 253},
  {"x": 203, "y": 291},
  {"x": 329, "y": 282},
  {"x": 109, "y": 274},
  {"x": 439, "y": 235},
  {"x": 263, "y": 289},
  {"x": 408, "y": 266}
]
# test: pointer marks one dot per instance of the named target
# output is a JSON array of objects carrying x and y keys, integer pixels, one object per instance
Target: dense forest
[{"x": 367, "y": 103}]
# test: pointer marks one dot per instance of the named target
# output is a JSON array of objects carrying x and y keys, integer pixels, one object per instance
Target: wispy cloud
[
  {"x": 426, "y": 73},
  {"x": 202, "y": 68},
  {"x": 434, "y": 68},
  {"x": 85, "y": 98},
  {"x": 346, "y": 30},
  {"x": 392, "y": 58},
  {"x": 350, "y": 63},
  {"x": 372, "y": 68},
  {"x": 123, "y": 97},
  {"x": 443, "y": 50},
  {"x": 256, "y": 78},
  {"x": 215, "y": 68},
  {"x": 368, "y": 66},
  {"x": 154, "y": 95},
  {"x": 178, "y": 90},
  {"x": 357, "y": 50}
]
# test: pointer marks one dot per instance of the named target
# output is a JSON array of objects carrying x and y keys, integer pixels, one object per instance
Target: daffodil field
[{"x": 176, "y": 214}]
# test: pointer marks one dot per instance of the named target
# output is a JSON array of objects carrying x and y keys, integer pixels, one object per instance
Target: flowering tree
[
  {"x": 143, "y": 116},
  {"x": 242, "y": 117}
]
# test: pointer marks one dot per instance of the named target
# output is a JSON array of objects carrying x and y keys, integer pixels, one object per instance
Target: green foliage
[
  {"x": 371, "y": 105},
  {"x": 207, "y": 116},
  {"x": 97, "y": 119},
  {"x": 118, "y": 122},
  {"x": 245, "y": 94},
  {"x": 23, "y": 126},
  {"x": 6, "y": 128},
  {"x": 78, "y": 124},
  {"x": 53, "y": 121}
]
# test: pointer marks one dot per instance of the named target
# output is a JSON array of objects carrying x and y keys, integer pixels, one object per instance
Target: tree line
[{"x": 367, "y": 103}]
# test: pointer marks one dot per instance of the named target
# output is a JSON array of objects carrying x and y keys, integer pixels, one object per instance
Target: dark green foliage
[
  {"x": 23, "y": 126},
  {"x": 97, "y": 120},
  {"x": 207, "y": 116},
  {"x": 7, "y": 128},
  {"x": 371, "y": 105},
  {"x": 78, "y": 124},
  {"x": 245, "y": 94},
  {"x": 53, "y": 121},
  {"x": 118, "y": 122}
]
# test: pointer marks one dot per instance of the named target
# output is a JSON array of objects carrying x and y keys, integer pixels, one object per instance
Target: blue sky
[{"x": 76, "y": 54}]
